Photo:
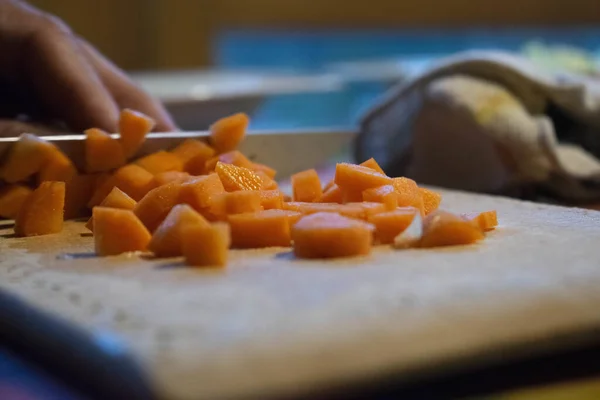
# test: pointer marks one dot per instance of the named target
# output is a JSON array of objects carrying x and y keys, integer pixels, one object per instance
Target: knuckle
[{"x": 50, "y": 24}]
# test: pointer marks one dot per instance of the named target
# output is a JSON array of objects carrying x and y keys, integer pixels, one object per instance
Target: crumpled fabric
[{"x": 490, "y": 122}]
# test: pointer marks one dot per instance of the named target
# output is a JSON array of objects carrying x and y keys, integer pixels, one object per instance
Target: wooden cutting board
[{"x": 271, "y": 325}]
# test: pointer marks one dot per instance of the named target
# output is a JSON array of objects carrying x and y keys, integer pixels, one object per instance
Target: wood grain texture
[{"x": 271, "y": 324}]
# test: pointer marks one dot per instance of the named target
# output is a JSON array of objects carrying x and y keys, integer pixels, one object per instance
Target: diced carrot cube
[
  {"x": 348, "y": 210},
  {"x": 332, "y": 195},
  {"x": 198, "y": 192},
  {"x": 231, "y": 157},
  {"x": 206, "y": 246},
  {"x": 268, "y": 183},
  {"x": 369, "y": 208},
  {"x": 238, "y": 178},
  {"x": 444, "y": 229},
  {"x": 385, "y": 194},
  {"x": 408, "y": 193},
  {"x": 132, "y": 179},
  {"x": 306, "y": 186},
  {"x": 154, "y": 207},
  {"x": 292, "y": 216},
  {"x": 351, "y": 196},
  {"x": 371, "y": 163},
  {"x": 25, "y": 158},
  {"x": 133, "y": 128},
  {"x": 194, "y": 154},
  {"x": 161, "y": 161},
  {"x": 12, "y": 197},
  {"x": 167, "y": 240},
  {"x": 57, "y": 168},
  {"x": 431, "y": 200},
  {"x": 486, "y": 221},
  {"x": 271, "y": 199},
  {"x": 270, "y": 172},
  {"x": 328, "y": 235},
  {"x": 358, "y": 178},
  {"x": 42, "y": 212},
  {"x": 390, "y": 224},
  {"x": 227, "y": 133},
  {"x": 115, "y": 199},
  {"x": 102, "y": 152},
  {"x": 243, "y": 201},
  {"x": 163, "y": 178},
  {"x": 118, "y": 231},
  {"x": 79, "y": 191},
  {"x": 260, "y": 229}
]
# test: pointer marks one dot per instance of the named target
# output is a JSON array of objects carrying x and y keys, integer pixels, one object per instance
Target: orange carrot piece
[
  {"x": 306, "y": 186},
  {"x": 132, "y": 179},
  {"x": 409, "y": 194},
  {"x": 161, "y": 161},
  {"x": 227, "y": 133},
  {"x": 233, "y": 157},
  {"x": 268, "y": 183},
  {"x": 243, "y": 201},
  {"x": 118, "y": 231},
  {"x": 57, "y": 168},
  {"x": 12, "y": 197},
  {"x": 486, "y": 221},
  {"x": 292, "y": 216},
  {"x": 358, "y": 178},
  {"x": 385, "y": 194},
  {"x": 163, "y": 178},
  {"x": 444, "y": 229},
  {"x": 42, "y": 211},
  {"x": 431, "y": 200},
  {"x": 238, "y": 178},
  {"x": 271, "y": 199},
  {"x": 133, "y": 128},
  {"x": 198, "y": 192},
  {"x": 78, "y": 193},
  {"x": 371, "y": 163},
  {"x": 390, "y": 224},
  {"x": 348, "y": 210},
  {"x": 268, "y": 171},
  {"x": 194, "y": 154},
  {"x": 102, "y": 152},
  {"x": 167, "y": 239},
  {"x": 25, "y": 158},
  {"x": 206, "y": 246},
  {"x": 332, "y": 195},
  {"x": 260, "y": 229},
  {"x": 115, "y": 199},
  {"x": 329, "y": 235},
  {"x": 369, "y": 208},
  {"x": 154, "y": 207}
]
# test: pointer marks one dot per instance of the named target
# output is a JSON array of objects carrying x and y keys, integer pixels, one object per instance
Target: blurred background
[{"x": 301, "y": 63}]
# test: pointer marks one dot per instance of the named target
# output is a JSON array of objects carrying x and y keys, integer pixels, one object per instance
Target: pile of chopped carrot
[{"x": 200, "y": 199}]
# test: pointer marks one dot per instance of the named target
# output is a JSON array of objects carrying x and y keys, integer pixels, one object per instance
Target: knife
[{"x": 288, "y": 151}]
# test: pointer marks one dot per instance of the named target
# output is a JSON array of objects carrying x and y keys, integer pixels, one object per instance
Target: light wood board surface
[{"x": 269, "y": 324}]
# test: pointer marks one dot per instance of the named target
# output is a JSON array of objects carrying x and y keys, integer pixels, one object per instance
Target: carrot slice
[
  {"x": 486, "y": 221},
  {"x": 358, "y": 178},
  {"x": 163, "y": 178},
  {"x": 25, "y": 158},
  {"x": 260, "y": 229},
  {"x": 118, "y": 231},
  {"x": 153, "y": 208},
  {"x": 390, "y": 224},
  {"x": 115, "y": 199},
  {"x": 306, "y": 186},
  {"x": 227, "y": 133},
  {"x": 271, "y": 199},
  {"x": 133, "y": 128},
  {"x": 444, "y": 229},
  {"x": 194, "y": 154},
  {"x": 57, "y": 168},
  {"x": 238, "y": 178},
  {"x": 167, "y": 240},
  {"x": 431, "y": 200},
  {"x": 12, "y": 198},
  {"x": 371, "y": 163},
  {"x": 161, "y": 161},
  {"x": 409, "y": 194},
  {"x": 233, "y": 157},
  {"x": 132, "y": 179},
  {"x": 102, "y": 152},
  {"x": 42, "y": 211},
  {"x": 206, "y": 246},
  {"x": 270, "y": 172},
  {"x": 198, "y": 192},
  {"x": 244, "y": 201},
  {"x": 332, "y": 195},
  {"x": 79, "y": 191},
  {"x": 385, "y": 194},
  {"x": 328, "y": 235}
]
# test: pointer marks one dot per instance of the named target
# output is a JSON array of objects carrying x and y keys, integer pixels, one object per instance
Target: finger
[
  {"x": 14, "y": 128},
  {"x": 126, "y": 93},
  {"x": 66, "y": 83}
]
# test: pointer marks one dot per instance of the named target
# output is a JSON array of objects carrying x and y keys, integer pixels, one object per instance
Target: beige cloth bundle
[{"x": 490, "y": 122}]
